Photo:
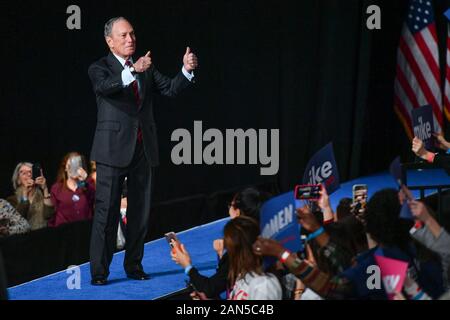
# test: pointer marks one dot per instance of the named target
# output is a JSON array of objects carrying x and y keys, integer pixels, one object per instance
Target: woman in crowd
[
  {"x": 246, "y": 277},
  {"x": 432, "y": 236},
  {"x": 245, "y": 203},
  {"x": 73, "y": 194},
  {"x": 391, "y": 235},
  {"x": 31, "y": 197}
]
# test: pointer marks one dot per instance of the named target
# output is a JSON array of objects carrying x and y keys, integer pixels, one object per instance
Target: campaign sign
[
  {"x": 322, "y": 169},
  {"x": 396, "y": 170},
  {"x": 423, "y": 125},
  {"x": 393, "y": 273},
  {"x": 279, "y": 222}
]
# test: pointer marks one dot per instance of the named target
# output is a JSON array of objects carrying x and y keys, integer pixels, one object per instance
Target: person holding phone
[
  {"x": 442, "y": 160},
  {"x": 73, "y": 193},
  {"x": 31, "y": 196},
  {"x": 245, "y": 203},
  {"x": 125, "y": 143}
]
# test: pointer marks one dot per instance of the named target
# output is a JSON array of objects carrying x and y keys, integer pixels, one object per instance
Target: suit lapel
[{"x": 114, "y": 64}]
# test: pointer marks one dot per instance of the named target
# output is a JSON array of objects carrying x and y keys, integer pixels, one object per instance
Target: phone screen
[
  {"x": 74, "y": 165},
  {"x": 308, "y": 192},
  {"x": 36, "y": 171},
  {"x": 171, "y": 236},
  {"x": 360, "y": 192}
]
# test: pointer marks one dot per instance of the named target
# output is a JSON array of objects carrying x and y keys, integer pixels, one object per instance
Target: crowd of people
[
  {"x": 334, "y": 262},
  {"x": 340, "y": 248},
  {"x": 34, "y": 205}
]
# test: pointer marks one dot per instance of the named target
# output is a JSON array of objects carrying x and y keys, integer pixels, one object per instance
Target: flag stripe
[
  {"x": 430, "y": 58},
  {"x": 418, "y": 74},
  {"x": 411, "y": 79},
  {"x": 423, "y": 83},
  {"x": 402, "y": 96},
  {"x": 418, "y": 56},
  {"x": 403, "y": 82}
]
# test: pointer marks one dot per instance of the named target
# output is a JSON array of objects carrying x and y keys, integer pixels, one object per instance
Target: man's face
[{"x": 122, "y": 40}]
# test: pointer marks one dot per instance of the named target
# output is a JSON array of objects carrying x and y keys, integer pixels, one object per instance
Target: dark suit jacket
[
  {"x": 119, "y": 116},
  {"x": 212, "y": 286}
]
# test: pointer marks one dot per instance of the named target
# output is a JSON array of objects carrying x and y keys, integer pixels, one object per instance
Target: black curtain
[{"x": 309, "y": 68}]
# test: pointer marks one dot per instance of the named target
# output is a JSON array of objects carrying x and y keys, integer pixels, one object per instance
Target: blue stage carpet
[{"x": 166, "y": 276}]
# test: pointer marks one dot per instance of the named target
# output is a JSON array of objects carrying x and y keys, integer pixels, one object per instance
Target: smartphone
[
  {"x": 74, "y": 165},
  {"x": 309, "y": 192},
  {"x": 36, "y": 171},
  {"x": 171, "y": 236},
  {"x": 360, "y": 192}
]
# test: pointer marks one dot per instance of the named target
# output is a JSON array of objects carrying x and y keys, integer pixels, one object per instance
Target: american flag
[
  {"x": 447, "y": 73},
  {"x": 417, "y": 82}
]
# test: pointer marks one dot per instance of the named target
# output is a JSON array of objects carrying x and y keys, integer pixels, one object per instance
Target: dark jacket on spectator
[{"x": 216, "y": 284}]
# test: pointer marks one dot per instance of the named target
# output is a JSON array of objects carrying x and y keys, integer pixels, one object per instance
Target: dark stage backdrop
[{"x": 309, "y": 68}]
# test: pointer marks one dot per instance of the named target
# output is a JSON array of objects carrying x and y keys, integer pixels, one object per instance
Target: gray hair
[
  {"x": 109, "y": 25},
  {"x": 15, "y": 176}
]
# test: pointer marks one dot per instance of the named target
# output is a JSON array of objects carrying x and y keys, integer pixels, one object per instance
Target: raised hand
[
  {"x": 190, "y": 60},
  {"x": 143, "y": 63},
  {"x": 442, "y": 143},
  {"x": 267, "y": 247},
  {"x": 180, "y": 255},
  {"x": 41, "y": 181},
  {"x": 218, "y": 247},
  {"x": 307, "y": 219},
  {"x": 418, "y": 147},
  {"x": 419, "y": 211},
  {"x": 81, "y": 174}
]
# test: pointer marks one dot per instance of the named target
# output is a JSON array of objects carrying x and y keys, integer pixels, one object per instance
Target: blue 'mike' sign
[
  {"x": 322, "y": 169},
  {"x": 423, "y": 125}
]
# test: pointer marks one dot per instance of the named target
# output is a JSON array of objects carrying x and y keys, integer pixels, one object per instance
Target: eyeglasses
[{"x": 25, "y": 172}]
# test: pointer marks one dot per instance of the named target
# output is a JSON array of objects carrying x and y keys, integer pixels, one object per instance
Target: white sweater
[{"x": 257, "y": 287}]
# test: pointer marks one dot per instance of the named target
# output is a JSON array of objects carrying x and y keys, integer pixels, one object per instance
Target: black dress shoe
[
  {"x": 138, "y": 275},
  {"x": 100, "y": 281}
]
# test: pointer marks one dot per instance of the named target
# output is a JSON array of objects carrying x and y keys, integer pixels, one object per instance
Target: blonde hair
[{"x": 15, "y": 176}]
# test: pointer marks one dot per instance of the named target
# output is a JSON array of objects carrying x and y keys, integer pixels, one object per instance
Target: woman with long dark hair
[{"x": 246, "y": 276}]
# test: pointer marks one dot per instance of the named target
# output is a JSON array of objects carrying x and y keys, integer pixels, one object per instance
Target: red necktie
[{"x": 138, "y": 99}]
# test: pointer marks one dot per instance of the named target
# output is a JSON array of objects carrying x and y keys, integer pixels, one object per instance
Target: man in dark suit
[{"x": 125, "y": 144}]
